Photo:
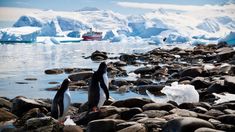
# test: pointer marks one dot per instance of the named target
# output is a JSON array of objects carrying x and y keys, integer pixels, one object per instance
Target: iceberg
[
  {"x": 19, "y": 34},
  {"x": 229, "y": 38},
  {"x": 179, "y": 93}
]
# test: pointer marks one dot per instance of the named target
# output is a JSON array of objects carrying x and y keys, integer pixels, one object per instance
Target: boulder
[
  {"x": 70, "y": 128},
  {"x": 103, "y": 125},
  {"x": 81, "y": 75},
  {"x": 126, "y": 115},
  {"x": 192, "y": 72},
  {"x": 54, "y": 71},
  {"x": 156, "y": 89},
  {"x": 35, "y": 123},
  {"x": 158, "y": 106},
  {"x": 99, "y": 56},
  {"x": 205, "y": 129},
  {"x": 125, "y": 125},
  {"x": 186, "y": 124},
  {"x": 131, "y": 102},
  {"x": 227, "y": 119},
  {"x": 21, "y": 105},
  {"x": 229, "y": 81},
  {"x": 183, "y": 112},
  {"x": 5, "y": 103},
  {"x": 155, "y": 113},
  {"x": 214, "y": 113},
  {"x": 134, "y": 128},
  {"x": 6, "y": 116}
]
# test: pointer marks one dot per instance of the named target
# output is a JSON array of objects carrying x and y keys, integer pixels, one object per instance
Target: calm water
[{"x": 20, "y": 61}]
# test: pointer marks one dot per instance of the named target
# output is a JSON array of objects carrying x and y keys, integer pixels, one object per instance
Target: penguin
[
  {"x": 98, "y": 90},
  {"x": 61, "y": 101}
]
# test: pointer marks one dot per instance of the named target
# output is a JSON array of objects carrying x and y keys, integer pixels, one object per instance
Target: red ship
[{"x": 92, "y": 35}]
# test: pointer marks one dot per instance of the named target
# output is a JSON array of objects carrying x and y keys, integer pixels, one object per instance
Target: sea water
[{"x": 21, "y": 61}]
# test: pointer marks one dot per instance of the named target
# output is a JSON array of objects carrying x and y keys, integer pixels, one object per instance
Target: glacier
[{"x": 211, "y": 24}]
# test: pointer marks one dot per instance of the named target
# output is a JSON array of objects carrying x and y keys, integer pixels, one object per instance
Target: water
[{"x": 20, "y": 61}]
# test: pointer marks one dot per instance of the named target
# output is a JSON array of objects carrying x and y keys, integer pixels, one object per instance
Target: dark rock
[
  {"x": 150, "y": 121},
  {"x": 125, "y": 125},
  {"x": 186, "y": 124},
  {"x": 204, "y": 105},
  {"x": 5, "y": 103},
  {"x": 226, "y": 127},
  {"x": 99, "y": 56},
  {"x": 152, "y": 88},
  {"x": 183, "y": 112},
  {"x": 214, "y": 122},
  {"x": 119, "y": 82},
  {"x": 225, "y": 55},
  {"x": 31, "y": 79},
  {"x": 200, "y": 82},
  {"x": 54, "y": 71},
  {"x": 35, "y": 123},
  {"x": 138, "y": 117},
  {"x": 80, "y": 75},
  {"x": 205, "y": 129},
  {"x": 103, "y": 125},
  {"x": 216, "y": 88},
  {"x": 128, "y": 58},
  {"x": 21, "y": 105},
  {"x": 126, "y": 115},
  {"x": 131, "y": 102},
  {"x": 204, "y": 116},
  {"x": 200, "y": 109},
  {"x": 6, "y": 116},
  {"x": 158, "y": 106},
  {"x": 134, "y": 128},
  {"x": 229, "y": 81},
  {"x": 145, "y": 70},
  {"x": 214, "y": 113},
  {"x": 227, "y": 119},
  {"x": 187, "y": 106},
  {"x": 143, "y": 82},
  {"x": 192, "y": 72},
  {"x": 155, "y": 113},
  {"x": 120, "y": 63},
  {"x": 72, "y": 129}
]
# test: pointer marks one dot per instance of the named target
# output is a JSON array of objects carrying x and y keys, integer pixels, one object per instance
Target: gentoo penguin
[
  {"x": 98, "y": 90},
  {"x": 61, "y": 101}
]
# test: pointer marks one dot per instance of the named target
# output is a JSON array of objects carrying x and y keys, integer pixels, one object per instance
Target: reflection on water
[{"x": 20, "y": 61}]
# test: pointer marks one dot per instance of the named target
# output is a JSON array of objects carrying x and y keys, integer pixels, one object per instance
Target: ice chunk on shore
[
  {"x": 230, "y": 38},
  {"x": 179, "y": 93},
  {"x": 19, "y": 34},
  {"x": 224, "y": 98}
]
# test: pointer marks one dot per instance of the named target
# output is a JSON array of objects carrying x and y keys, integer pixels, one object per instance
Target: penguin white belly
[
  {"x": 102, "y": 97},
  {"x": 66, "y": 101}
]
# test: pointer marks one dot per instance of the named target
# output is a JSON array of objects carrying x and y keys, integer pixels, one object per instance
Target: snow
[
  {"x": 179, "y": 93},
  {"x": 19, "y": 34},
  {"x": 164, "y": 25},
  {"x": 224, "y": 98}
]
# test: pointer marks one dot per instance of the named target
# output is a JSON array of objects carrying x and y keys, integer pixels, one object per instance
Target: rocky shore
[{"x": 209, "y": 68}]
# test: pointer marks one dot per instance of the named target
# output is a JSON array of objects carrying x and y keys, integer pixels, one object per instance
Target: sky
[{"x": 11, "y": 9}]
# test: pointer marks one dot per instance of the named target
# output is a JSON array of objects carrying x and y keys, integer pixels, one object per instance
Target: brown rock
[
  {"x": 6, "y": 116},
  {"x": 81, "y": 75}
]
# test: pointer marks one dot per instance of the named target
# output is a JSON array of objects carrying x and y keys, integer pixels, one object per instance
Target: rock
[
  {"x": 72, "y": 129},
  {"x": 125, "y": 125},
  {"x": 205, "y": 129},
  {"x": 186, "y": 124},
  {"x": 35, "y": 123},
  {"x": 99, "y": 56},
  {"x": 227, "y": 119},
  {"x": 141, "y": 81},
  {"x": 21, "y": 105},
  {"x": 229, "y": 81},
  {"x": 214, "y": 122},
  {"x": 6, "y": 116},
  {"x": 158, "y": 106},
  {"x": 183, "y": 112},
  {"x": 103, "y": 125},
  {"x": 81, "y": 75},
  {"x": 200, "y": 82},
  {"x": 120, "y": 63},
  {"x": 131, "y": 102},
  {"x": 126, "y": 115},
  {"x": 229, "y": 111},
  {"x": 54, "y": 71},
  {"x": 134, "y": 128},
  {"x": 138, "y": 117},
  {"x": 187, "y": 106},
  {"x": 119, "y": 82},
  {"x": 214, "y": 113},
  {"x": 225, "y": 55},
  {"x": 157, "y": 122},
  {"x": 128, "y": 58},
  {"x": 156, "y": 89},
  {"x": 145, "y": 70},
  {"x": 192, "y": 72},
  {"x": 204, "y": 116},
  {"x": 31, "y": 79},
  {"x": 155, "y": 113},
  {"x": 200, "y": 109},
  {"x": 226, "y": 127},
  {"x": 216, "y": 88},
  {"x": 5, "y": 103}
]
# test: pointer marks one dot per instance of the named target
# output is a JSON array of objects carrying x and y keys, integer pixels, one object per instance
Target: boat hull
[{"x": 92, "y": 38}]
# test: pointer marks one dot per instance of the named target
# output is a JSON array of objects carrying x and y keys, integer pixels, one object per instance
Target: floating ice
[
  {"x": 224, "y": 98},
  {"x": 179, "y": 93}
]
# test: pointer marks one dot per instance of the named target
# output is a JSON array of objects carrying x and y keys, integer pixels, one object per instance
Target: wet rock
[
  {"x": 134, "y": 128},
  {"x": 54, "y": 71},
  {"x": 143, "y": 82},
  {"x": 186, "y": 124},
  {"x": 158, "y": 106},
  {"x": 204, "y": 129},
  {"x": 6, "y": 116},
  {"x": 214, "y": 113},
  {"x": 155, "y": 113},
  {"x": 227, "y": 119},
  {"x": 146, "y": 70},
  {"x": 229, "y": 81},
  {"x": 183, "y": 112},
  {"x": 131, "y": 102},
  {"x": 192, "y": 72},
  {"x": 21, "y": 105},
  {"x": 99, "y": 56},
  {"x": 103, "y": 125},
  {"x": 155, "y": 89},
  {"x": 72, "y": 129},
  {"x": 119, "y": 82},
  {"x": 126, "y": 115},
  {"x": 81, "y": 75},
  {"x": 35, "y": 123},
  {"x": 5, "y": 103}
]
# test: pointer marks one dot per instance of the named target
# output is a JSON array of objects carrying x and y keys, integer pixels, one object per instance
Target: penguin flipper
[
  {"x": 61, "y": 107},
  {"x": 104, "y": 87},
  {"x": 55, "y": 110}
]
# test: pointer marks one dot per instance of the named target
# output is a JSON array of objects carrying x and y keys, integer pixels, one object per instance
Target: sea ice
[{"x": 179, "y": 93}]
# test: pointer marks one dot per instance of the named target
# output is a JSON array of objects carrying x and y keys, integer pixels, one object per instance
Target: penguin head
[
  {"x": 102, "y": 68},
  {"x": 65, "y": 84}
]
